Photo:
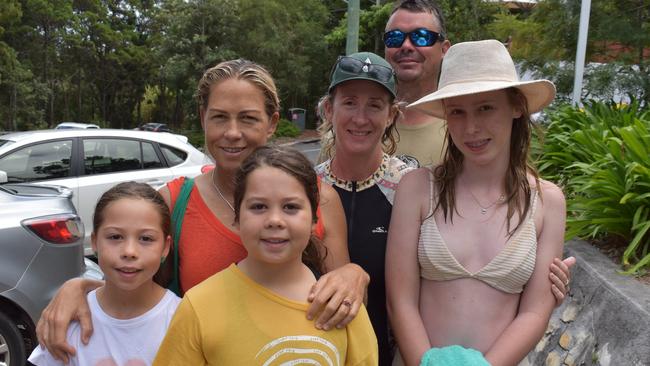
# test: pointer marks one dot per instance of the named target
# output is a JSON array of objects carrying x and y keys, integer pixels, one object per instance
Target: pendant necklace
[
  {"x": 484, "y": 209},
  {"x": 221, "y": 194}
]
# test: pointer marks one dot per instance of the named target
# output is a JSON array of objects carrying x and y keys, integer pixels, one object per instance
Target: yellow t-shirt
[
  {"x": 230, "y": 320},
  {"x": 425, "y": 142}
]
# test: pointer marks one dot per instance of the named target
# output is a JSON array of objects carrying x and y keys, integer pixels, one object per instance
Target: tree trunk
[
  {"x": 51, "y": 106},
  {"x": 178, "y": 110},
  {"x": 46, "y": 74},
  {"x": 79, "y": 105},
  {"x": 139, "y": 113},
  {"x": 12, "y": 124}
]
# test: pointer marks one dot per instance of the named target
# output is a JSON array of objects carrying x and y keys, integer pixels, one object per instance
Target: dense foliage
[
  {"x": 286, "y": 129},
  {"x": 120, "y": 63},
  {"x": 600, "y": 155}
]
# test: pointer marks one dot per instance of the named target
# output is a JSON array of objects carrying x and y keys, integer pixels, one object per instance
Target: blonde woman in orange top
[{"x": 239, "y": 111}]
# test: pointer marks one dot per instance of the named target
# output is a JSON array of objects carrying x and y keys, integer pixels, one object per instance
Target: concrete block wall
[{"x": 605, "y": 321}]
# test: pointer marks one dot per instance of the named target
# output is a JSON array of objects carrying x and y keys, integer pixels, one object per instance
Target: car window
[
  {"x": 111, "y": 155},
  {"x": 47, "y": 160},
  {"x": 173, "y": 155},
  {"x": 149, "y": 157},
  {"x": 4, "y": 142}
]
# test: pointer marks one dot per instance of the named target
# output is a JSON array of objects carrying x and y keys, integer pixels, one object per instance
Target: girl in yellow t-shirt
[{"x": 253, "y": 313}]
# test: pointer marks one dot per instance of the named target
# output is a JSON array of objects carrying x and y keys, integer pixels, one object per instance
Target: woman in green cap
[{"x": 360, "y": 110}]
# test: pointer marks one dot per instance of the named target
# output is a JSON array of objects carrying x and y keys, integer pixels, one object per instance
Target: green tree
[
  {"x": 288, "y": 38},
  {"x": 189, "y": 37},
  {"x": 469, "y": 20},
  {"x": 372, "y": 23},
  {"x": 284, "y": 36}
]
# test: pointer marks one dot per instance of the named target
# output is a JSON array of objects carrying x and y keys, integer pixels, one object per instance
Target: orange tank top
[{"x": 206, "y": 245}]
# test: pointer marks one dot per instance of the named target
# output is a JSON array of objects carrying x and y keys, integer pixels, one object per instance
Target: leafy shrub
[
  {"x": 286, "y": 129},
  {"x": 601, "y": 156},
  {"x": 195, "y": 137}
]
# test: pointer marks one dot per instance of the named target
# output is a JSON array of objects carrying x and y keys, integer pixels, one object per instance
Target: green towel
[{"x": 453, "y": 356}]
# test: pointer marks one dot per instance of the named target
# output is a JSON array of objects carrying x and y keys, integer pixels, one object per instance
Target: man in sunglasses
[{"x": 415, "y": 45}]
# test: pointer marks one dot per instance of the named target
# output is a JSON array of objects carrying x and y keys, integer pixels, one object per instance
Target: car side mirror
[{"x": 3, "y": 177}]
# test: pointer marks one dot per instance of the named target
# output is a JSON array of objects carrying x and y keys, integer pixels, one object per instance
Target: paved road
[{"x": 310, "y": 149}]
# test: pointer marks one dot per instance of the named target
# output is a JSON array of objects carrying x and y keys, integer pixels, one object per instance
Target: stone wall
[{"x": 605, "y": 321}]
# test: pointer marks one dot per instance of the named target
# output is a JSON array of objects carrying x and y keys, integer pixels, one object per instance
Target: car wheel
[{"x": 12, "y": 348}]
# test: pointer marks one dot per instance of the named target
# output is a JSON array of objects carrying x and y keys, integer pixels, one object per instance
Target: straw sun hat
[{"x": 476, "y": 67}]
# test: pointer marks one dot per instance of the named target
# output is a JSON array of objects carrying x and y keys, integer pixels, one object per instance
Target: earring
[{"x": 162, "y": 260}]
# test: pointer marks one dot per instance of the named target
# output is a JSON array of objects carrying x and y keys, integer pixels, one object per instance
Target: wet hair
[
  {"x": 295, "y": 164},
  {"x": 240, "y": 69},
  {"x": 326, "y": 129},
  {"x": 517, "y": 186},
  {"x": 133, "y": 190},
  {"x": 422, "y": 6}
]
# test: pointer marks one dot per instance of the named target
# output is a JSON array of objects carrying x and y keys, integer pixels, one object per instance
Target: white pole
[
  {"x": 581, "y": 51},
  {"x": 352, "y": 41}
]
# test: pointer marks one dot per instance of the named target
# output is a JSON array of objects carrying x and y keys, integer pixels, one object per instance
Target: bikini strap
[{"x": 430, "y": 193}]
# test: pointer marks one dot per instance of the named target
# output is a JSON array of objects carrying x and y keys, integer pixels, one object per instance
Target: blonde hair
[
  {"x": 326, "y": 129},
  {"x": 243, "y": 70}
]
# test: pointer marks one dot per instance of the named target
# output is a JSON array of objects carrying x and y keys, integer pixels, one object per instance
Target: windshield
[{"x": 5, "y": 142}]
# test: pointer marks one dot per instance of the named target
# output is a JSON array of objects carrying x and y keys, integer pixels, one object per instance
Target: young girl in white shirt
[{"x": 130, "y": 313}]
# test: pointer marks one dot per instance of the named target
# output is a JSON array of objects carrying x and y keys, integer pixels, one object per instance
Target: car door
[{"x": 109, "y": 161}]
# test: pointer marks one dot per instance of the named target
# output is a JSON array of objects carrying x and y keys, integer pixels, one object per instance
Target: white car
[
  {"x": 90, "y": 161},
  {"x": 69, "y": 125}
]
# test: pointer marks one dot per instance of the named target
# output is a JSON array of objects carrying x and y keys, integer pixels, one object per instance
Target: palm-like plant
[{"x": 601, "y": 157}]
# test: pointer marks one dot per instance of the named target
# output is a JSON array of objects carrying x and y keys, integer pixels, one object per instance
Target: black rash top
[{"x": 368, "y": 206}]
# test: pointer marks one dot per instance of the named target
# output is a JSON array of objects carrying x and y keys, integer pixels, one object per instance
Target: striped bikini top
[{"x": 508, "y": 271}]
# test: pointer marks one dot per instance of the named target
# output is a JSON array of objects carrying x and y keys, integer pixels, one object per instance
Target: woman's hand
[
  {"x": 560, "y": 276},
  {"x": 68, "y": 304},
  {"x": 337, "y": 296}
]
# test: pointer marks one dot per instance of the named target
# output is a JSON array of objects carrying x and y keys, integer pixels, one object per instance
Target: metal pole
[
  {"x": 581, "y": 51},
  {"x": 352, "y": 42}
]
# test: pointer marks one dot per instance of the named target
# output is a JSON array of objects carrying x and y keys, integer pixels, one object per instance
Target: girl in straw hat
[{"x": 471, "y": 240}]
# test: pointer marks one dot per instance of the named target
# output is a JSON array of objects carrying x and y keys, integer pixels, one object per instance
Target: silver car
[
  {"x": 90, "y": 161},
  {"x": 41, "y": 246}
]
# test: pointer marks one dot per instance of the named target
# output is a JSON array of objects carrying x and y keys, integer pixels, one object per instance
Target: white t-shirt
[{"x": 116, "y": 342}]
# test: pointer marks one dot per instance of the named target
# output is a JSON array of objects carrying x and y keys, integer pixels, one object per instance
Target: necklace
[
  {"x": 484, "y": 209},
  {"x": 221, "y": 194}
]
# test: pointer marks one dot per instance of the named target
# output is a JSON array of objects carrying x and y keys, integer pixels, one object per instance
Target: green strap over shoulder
[{"x": 177, "y": 224}]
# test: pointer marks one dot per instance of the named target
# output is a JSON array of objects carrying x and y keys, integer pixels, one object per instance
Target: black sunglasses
[
  {"x": 420, "y": 37},
  {"x": 353, "y": 66}
]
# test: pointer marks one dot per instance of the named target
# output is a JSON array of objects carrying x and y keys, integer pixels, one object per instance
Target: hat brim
[{"x": 539, "y": 94}]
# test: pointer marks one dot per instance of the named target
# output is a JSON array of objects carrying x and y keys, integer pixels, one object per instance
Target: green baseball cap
[{"x": 363, "y": 66}]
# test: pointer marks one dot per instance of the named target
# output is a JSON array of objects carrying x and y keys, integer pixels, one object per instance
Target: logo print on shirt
[
  {"x": 302, "y": 349},
  {"x": 379, "y": 230}
]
